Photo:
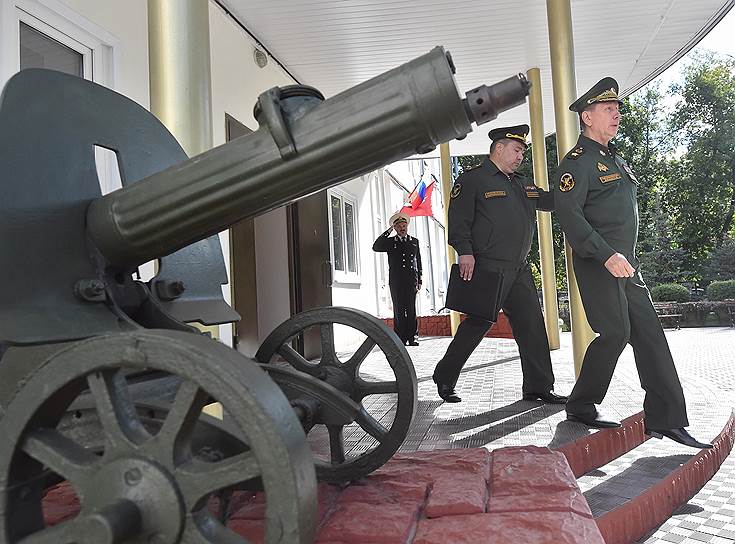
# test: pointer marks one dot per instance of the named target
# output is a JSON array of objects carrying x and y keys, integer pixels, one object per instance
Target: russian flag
[{"x": 419, "y": 201}]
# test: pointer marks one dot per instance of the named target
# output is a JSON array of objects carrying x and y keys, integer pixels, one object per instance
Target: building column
[
  {"x": 545, "y": 241},
  {"x": 561, "y": 45},
  {"x": 180, "y": 73},
  {"x": 180, "y": 83},
  {"x": 446, "y": 190},
  {"x": 180, "y": 77}
]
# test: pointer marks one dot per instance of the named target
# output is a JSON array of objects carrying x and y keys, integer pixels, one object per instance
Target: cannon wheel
[
  {"x": 148, "y": 487},
  {"x": 345, "y": 412}
]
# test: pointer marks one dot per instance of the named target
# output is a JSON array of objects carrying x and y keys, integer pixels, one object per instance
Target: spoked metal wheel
[
  {"x": 151, "y": 486},
  {"x": 356, "y": 407}
]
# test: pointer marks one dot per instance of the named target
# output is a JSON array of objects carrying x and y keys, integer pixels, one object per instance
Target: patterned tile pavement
[{"x": 492, "y": 415}]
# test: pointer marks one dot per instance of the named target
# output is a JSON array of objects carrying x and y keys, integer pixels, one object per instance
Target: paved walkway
[{"x": 492, "y": 416}]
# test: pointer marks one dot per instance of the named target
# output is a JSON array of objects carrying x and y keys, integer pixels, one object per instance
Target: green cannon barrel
[{"x": 304, "y": 144}]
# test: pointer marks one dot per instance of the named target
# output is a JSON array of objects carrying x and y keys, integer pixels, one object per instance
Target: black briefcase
[{"x": 479, "y": 297}]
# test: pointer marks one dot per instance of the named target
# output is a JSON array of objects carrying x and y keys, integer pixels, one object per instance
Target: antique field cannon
[{"x": 103, "y": 382}]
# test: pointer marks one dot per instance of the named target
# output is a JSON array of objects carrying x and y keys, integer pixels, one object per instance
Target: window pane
[
  {"x": 39, "y": 51},
  {"x": 350, "y": 231},
  {"x": 337, "y": 237}
]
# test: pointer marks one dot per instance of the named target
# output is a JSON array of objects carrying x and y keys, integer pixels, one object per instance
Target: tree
[
  {"x": 721, "y": 262},
  {"x": 701, "y": 193}
]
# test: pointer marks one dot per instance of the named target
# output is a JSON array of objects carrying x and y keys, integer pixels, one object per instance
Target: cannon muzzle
[{"x": 304, "y": 144}]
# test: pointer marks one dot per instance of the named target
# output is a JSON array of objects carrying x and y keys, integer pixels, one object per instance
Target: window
[
  {"x": 343, "y": 231},
  {"x": 46, "y": 34},
  {"x": 40, "y": 51}
]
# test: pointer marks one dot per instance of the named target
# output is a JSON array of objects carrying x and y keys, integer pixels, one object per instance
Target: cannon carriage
[{"x": 103, "y": 381}]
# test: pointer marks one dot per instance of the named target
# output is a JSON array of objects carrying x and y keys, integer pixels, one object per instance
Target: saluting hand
[
  {"x": 619, "y": 266},
  {"x": 466, "y": 266}
]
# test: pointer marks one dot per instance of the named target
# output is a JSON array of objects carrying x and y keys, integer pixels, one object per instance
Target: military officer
[
  {"x": 404, "y": 275},
  {"x": 492, "y": 218},
  {"x": 596, "y": 206}
]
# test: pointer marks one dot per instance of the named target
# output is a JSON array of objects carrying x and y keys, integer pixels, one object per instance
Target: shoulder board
[
  {"x": 575, "y": 153},
  {"x": 473, "y": 169}
]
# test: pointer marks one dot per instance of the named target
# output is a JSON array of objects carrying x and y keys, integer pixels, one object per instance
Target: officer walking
[
  {"x": 404, "y": 275},
  {"x": 596, "y": 206},
  {"x": 492, "y": 218}
]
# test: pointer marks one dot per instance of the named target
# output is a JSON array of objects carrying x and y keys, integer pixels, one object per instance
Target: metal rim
[
  {"x": 151, "y": 488},
  {"x": 346, "y": 396}
]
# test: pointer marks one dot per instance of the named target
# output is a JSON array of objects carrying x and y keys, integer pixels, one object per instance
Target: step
[{"x": 633, "y": 494}]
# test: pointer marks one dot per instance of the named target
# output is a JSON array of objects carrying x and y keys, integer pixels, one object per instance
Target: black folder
[{"x": 479, "y": 297}]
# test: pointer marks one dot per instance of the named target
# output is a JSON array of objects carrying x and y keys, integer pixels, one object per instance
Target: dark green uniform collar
[
  {"x": 592, "y": 145},
  {"x": 487, "y": 163}
]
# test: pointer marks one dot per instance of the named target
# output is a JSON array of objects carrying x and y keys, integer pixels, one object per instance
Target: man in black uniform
[
  {"x": 404, "y": 275},
  {"x": 596, "y": 206},
  {"x": 492, "y": 218}
]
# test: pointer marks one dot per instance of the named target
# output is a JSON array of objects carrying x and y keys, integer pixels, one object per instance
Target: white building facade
[{"x": 106, "y": 41}]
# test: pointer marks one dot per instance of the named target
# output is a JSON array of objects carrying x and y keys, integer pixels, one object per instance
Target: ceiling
[{"x": 336, "y": 44}]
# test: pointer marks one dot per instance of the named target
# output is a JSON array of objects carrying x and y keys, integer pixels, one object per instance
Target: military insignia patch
[
  {"x": 610, "y": 177},
  {"x": 495, "y": 194},
  {"x": 456, "y": 188},
  {"x": 566, "y": 182},
  {"x": 575, "y": 153},
  {"x": 601, "y": 167},
  {"x": 531, "y": 191}
]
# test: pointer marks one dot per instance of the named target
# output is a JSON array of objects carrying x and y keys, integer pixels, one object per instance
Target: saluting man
[
  {"x": 404, "y": 275},
  {"x": 492, "y": 219},
  {"x": 596, "y": 206}
]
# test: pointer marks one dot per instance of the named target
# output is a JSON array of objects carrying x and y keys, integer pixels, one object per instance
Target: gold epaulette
[{"x": 575, "y": 153}]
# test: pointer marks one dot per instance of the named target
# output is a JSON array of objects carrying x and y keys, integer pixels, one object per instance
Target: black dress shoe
[
  {"x": 596, "y": 420},
  {"x": 549, "y": 397},
  {"x": 412, "y": 343},
  {"x": 446, "y": 392},
  {"x": 679, "y": 435}
]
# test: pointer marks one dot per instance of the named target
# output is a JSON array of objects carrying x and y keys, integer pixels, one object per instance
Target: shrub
[
  {"x": 720, "y": 290},
  {"x": 667, "y": 292}
]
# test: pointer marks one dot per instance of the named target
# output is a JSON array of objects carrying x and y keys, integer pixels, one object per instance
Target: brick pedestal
[{"x": 438, "y": 325}]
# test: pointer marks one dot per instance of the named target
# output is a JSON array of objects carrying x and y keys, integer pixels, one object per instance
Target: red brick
[
  {"x": 527, "y": 470},
  {"x": 250, "y": 506},
  {"x": 369, "y": 523},
  {"x": 457, "y": 493},
  {"x": 509, "y": 528},
  {"x": 429, "y": 465},
  {"x": 376, "y": 491},
  {"x": 60, "y": 503},
  {"x": 554, "y": 501},
  {"x": 251, "y": 529}
]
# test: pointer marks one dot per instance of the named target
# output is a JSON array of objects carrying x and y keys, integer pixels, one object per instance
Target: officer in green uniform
[
  {"x": 596, "y": 205},
  {"x": 492, "y": 218}
]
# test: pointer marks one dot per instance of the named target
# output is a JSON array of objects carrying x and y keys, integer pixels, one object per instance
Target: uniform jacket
[
  {"x": 492, "y": 215},
  {"x": 595, "y": 195},
  {"x": 404, "y": 258}
]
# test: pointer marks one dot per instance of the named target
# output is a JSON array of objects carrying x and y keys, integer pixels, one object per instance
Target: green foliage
[
  {"x": 670, "y": 292},
  {"x": 721, "y": 262},
  {"x": 468, "y": 162},
  {"x": 701, "y": 189},
  {"x": 721, "y": 290}
]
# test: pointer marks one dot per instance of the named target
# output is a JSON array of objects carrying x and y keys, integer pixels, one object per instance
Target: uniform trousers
[
  {"x": 620, "y": 311},
  {"x": 403, "y": 294},
  {"x": 521, "y": 306}
]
